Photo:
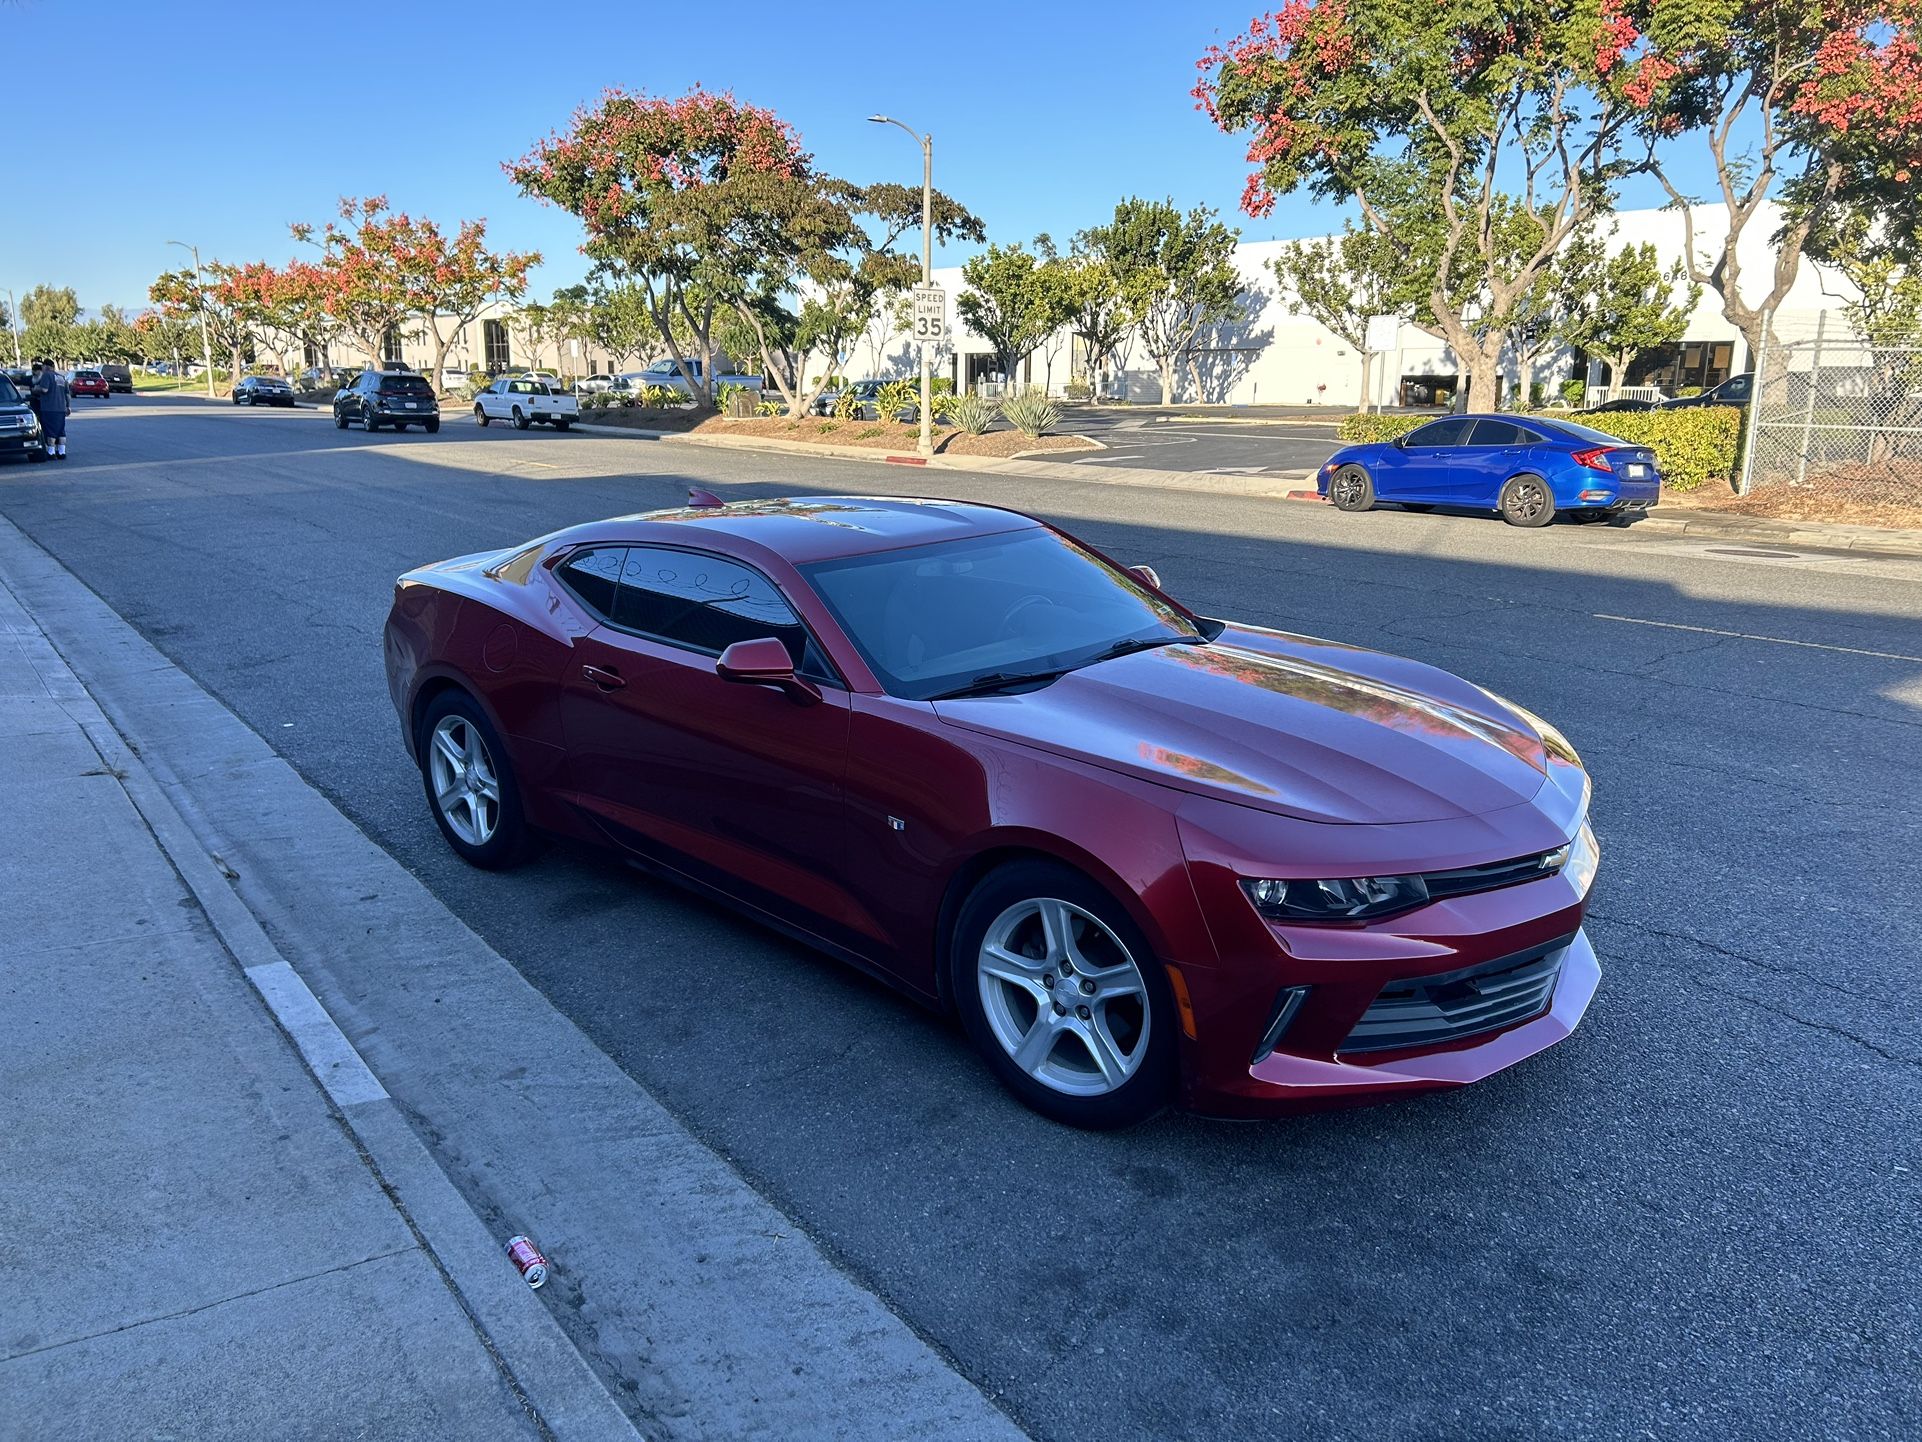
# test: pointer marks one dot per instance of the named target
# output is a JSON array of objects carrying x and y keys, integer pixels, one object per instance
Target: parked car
[
  {"x": 20, "y": 433},
  {"x": 667, "y": 372},
  {"x": 1620, "y": 403},
  {"x": 1737, "y": 390},
  {"x": 1528, "y": 470},
  {"x": 1147, "y": 856},
  {"x": 118, "y": 377},
  {"x": 263, "y": 391},
  {"x": 87, "y": 382},
  {"x": 388, "y": 398},
  {"x": 594, "y": 384},
  {"x": 526, "y": 400}
]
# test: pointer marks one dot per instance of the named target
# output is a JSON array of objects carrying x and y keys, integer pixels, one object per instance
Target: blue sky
[{"x": 220, "y": 124}]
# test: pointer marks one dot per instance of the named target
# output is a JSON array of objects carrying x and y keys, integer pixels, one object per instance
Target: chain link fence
[{"x": 1837, "y": 414}]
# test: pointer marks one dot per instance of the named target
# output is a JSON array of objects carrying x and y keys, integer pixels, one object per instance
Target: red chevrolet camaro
[{"x": 1145, "y": 855}]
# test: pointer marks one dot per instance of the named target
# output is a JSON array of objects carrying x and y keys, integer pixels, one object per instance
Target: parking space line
[{"x": 1750, "y": 636}]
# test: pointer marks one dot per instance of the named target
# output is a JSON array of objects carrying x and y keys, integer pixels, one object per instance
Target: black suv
[{"x": 388, "y": 398}]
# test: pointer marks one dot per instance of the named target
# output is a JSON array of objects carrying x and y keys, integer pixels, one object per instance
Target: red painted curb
[{"x": 907, "y": 460}]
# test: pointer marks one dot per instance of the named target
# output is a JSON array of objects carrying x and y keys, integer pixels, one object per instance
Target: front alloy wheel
[
  {"x": 1061, "y": 994},
  {"x": 1350, "y": 489}
]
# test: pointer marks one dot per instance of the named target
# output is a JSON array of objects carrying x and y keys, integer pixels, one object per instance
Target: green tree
[
  {"x": 1627, "y": 302},
  {"x": 110, "y": 336},
  {"x": 50, "y": 322},
  {"x": 1176, "y": 274},
  {"x": 1816, "y": 104},
  {"x": 1099, "y": 311},
  {"x": 1436, "y": 123},
  {"x": 1344, "y": 282},
  {"x": 1014, "y": 300}
]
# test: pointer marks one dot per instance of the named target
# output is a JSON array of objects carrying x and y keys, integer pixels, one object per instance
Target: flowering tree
[
  {"x": 207, "y": 298},
  {"x": 366, "y": 292},
  {"x": 1816, "y": 104},
  {"x": 1436, "y": 121}
]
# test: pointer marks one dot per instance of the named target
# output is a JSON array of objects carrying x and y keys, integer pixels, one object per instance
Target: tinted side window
[
  {"x": 704, "y": 602},
  {"x": 1440, "y": 433},
  {"x": 595, "y": 576},
  {"x": 1500, "y": 433}
]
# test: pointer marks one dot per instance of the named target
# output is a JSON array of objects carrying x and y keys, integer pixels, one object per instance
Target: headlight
[
  {"x": 1354, "y": 899},
  {"x": 1584, "y": 856}
]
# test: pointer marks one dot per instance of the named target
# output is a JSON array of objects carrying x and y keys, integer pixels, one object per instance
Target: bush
[
  {"x": 771, "y": 408},
  {"x": 847, "y": 405},
  {"x": 1691, "y": 447},
  {"x": 660, "y": 398},
  {"x": 973, "y": 413},
  {"x": 1574, "y": 392},
  {"x": 1031, "y": 412},
  {"x": 1079, "y": 390},
  {"x": 896, "y": 397}
]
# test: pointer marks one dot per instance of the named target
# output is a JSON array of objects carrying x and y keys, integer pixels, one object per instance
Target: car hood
[{"x": 1304, "y": 728}]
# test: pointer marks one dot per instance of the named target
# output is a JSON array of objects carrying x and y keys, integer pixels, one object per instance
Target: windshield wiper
[
  {"x": 1006, "y": 680},
  {"x": 998, "y": 681}
]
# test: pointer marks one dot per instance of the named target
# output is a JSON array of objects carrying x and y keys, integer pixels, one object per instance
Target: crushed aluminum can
[{"x": 527, "y": 1258}]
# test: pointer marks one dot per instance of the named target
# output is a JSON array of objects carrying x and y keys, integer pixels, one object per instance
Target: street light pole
[
  {"x": 927, "y": 269},
  {"x": 200, "y": 309}
]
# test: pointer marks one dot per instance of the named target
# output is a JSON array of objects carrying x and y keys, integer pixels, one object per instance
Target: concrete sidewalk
[{"x": 215, "y": 1223}]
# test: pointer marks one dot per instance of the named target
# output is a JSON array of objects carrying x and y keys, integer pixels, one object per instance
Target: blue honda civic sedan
[{"x": 1527, "y": 469}]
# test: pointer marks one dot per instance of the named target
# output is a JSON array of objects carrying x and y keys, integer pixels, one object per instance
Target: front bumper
[{"x": 18, "y": 443}]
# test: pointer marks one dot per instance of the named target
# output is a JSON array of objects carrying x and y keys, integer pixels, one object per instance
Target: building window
[
  {"x": 390, "y": 346},
  {"x": 1694, "y": 364},
  {"x": 494, "y": 340}
]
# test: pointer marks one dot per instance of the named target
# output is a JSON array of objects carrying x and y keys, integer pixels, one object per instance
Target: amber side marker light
[{"x": 1182, "y": 1003}]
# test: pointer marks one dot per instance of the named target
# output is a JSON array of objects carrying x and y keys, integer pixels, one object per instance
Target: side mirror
[
  {"x": 764, "y": 661},
  {"x": 1146, "y": 574}
]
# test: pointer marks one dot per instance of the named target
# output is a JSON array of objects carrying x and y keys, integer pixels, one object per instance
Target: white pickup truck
[{"x": 526, "y": 400}]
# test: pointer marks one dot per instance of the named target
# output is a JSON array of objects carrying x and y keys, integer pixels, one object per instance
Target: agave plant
[
  {"x": 1031, "y": 412},
  {"x": 972, "y": 413},
  {"x": 897, "y": 396}
]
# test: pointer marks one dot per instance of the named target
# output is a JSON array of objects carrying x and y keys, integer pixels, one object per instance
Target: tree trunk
[
  {"x": 1166, "y": 365},
  {"x": 1484, "y": 376},
  {"x": 1194, "y": 379},
  {"x": 1367, "y": 365},
  {"x": 440, "y": 354}
]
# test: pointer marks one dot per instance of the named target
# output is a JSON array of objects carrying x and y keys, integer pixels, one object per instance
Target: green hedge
[{"x": 1692, "y": 447}]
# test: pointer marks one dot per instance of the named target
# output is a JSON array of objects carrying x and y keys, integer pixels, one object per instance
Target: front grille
[
  {"x": 1466, "y": 879},
  {"x": 1432, "y": 1010}
]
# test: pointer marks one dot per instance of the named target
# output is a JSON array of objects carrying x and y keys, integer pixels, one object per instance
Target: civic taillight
[{"x": 1596, "y": 459}]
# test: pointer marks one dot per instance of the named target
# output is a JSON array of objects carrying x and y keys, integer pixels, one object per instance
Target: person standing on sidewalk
[{"x": 50, "y": 399}]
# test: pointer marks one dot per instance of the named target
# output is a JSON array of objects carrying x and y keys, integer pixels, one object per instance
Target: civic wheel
[
  {"x": 1061, "y": 994},
  {"x": 1526, "y": 502},
  {"x": 470, "y": 787},
  {"x": 520, "y": 421},
  {"x": 1351, "y": 489},
  {"x": 480, "y": 416}
]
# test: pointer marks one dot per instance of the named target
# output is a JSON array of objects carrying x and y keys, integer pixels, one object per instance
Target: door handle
[{"x": 606, "y": 680}]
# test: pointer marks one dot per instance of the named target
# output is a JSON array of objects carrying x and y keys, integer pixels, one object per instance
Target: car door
[
  {"x": 489, "y": 401},
  {"x": 738, "y": 786},
  {"x": 1421, "y": 468},
  {"x": 1493, "y": 451}
]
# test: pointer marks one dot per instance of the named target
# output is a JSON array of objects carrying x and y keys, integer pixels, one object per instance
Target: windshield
[
  {"x": 405, "y": 386},
  {"x": 8, "y": 395},
  {"x": 933, "y": 619}
]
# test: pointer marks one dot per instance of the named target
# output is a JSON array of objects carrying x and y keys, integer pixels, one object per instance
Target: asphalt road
[
  {"x": 1152, "y": 441},
  {"x": 1696, "y": 1218}
]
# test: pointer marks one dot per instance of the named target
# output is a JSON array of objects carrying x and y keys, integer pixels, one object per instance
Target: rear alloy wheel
[
  {"x": 371, "y": 424},
  {"x": 520, "y": 421},
  {"x": 1061, "y": 994},
  {"x": 1352, "y": 490},
  {"x": 1526, "y": 502},
  {"x": 470, "y": 786}
]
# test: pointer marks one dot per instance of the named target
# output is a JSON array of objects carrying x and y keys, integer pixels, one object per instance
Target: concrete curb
[
  {"x": 1866, "y": 540},
  {"x": 540, "y": 1363}
]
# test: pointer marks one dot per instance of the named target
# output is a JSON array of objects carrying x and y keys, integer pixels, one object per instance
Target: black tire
[
  {"x": 521, "y": 422},
  {"x": 480, "y": 416},
  {"x": 431, "y": 427},
  {"x": 509, "y": 842},
  {"x": 1351, "y": 489},
  {"x": 38, "y": 456},
  {"x": 236, "y": 397},
  {"x": 400, "y": 425},
  {"x": 1526, "y": 501},
  {"x": 1150, "y": 1087},
  {"x": 370, "y": 423},
  {"x": 1590, "y": 518},
  {"x": 561, "y": 425},
  {"x": 340, "y": 421}
]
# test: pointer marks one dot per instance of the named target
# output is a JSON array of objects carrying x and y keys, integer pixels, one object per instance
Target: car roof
[{"x": 804, "y": 529}]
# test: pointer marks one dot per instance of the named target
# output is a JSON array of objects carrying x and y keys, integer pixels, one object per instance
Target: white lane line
[
  {"x": 1750, "y": 636},
  {"x": 332, "y": 1058},
  {"x": 1103, "y": 460}
]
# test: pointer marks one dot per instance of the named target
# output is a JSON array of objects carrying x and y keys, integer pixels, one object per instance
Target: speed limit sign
[{"x": 930, "y": 313}]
